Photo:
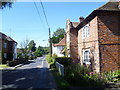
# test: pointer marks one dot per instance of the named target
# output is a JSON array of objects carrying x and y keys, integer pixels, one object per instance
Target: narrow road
[{"x": 34, "y": 74}]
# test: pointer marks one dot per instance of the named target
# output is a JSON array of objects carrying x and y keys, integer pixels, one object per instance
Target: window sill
[{"x": 87, "y": 62}]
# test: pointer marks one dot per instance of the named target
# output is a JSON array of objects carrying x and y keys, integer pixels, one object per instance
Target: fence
[{"x": 60, "y": 68}]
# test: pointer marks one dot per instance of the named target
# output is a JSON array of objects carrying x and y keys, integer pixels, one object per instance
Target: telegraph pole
[{"x": 50, "y": 43}]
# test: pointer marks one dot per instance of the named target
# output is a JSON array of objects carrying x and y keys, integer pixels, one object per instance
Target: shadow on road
[{"x": 28, "y": 78}]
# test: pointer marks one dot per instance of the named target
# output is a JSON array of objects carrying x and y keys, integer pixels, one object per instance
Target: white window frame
[
  {"x": 85, "y": 31},
  {"x": 5, "y": 55},
  {"x": 86, "y": 62},
  {"x": 5, "y": 45}
]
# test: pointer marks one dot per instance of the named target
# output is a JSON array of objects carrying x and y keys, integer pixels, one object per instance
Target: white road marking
[
  {"x": 42, "y": 63},
  {"x": 39, "y": 66}
]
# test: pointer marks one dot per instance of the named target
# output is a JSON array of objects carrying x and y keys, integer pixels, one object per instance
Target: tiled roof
[
  {"x": 61, "y": 43},
  {"x": 5, "y": 37},
  {"x": 110, "y": 6},
  {"x": 10, "y": 39}
]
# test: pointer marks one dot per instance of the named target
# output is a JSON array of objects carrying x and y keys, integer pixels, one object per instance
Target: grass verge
[
  {"x": 60, "y": 81},
  {"x": 4, "y": 66}
]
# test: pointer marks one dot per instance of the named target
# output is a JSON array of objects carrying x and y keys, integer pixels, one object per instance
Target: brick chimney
[
  {"x": 81, "y": 19},
  {"x": 119, "y": 5}
]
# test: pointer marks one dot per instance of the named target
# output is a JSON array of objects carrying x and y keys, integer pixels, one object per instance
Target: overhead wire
[
  {"x": 45, "y": 18},
  {"x": 50, "y": 41},
  {"x": 38, "y": 13},
  {"x": 44, "y": 13}
]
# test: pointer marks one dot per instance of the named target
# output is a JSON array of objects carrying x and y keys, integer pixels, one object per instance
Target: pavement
[
  {"x": 30, "y": 75},
  {"x": 17, "y": 66}
]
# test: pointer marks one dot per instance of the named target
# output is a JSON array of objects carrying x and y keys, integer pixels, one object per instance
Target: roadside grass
[
  {"x": 60, "y": 81},
  {"x": 4, "y": 66}
]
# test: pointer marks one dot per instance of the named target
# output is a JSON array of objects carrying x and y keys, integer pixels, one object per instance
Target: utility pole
[{"x": 50, "y": 43}]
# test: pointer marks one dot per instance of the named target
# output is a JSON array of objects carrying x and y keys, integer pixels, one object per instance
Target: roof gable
[
  {"x": 61, "y": 43},
  {"x": 109, "y": 6}
]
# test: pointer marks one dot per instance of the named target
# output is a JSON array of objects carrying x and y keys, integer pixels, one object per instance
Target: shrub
[
  {"x": 48, "y": 58},
  {"x": 31, "y": 57},
  {"x": 51, "y": 59},
  {"x": 38, "y": 53},
  {"x": 76, "y": 68},
  {"x": 16, "y": 62},
  {"x": 79, "y": 75},
  {"x": 54, "y": 56},
  {"x": 19, "y": 55},
  {"x": 111, "y": 76}
]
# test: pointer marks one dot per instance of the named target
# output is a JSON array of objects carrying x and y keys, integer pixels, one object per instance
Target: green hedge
[
  {"x": 63, "y": 60},
  {"x": 16, "y": 62}
]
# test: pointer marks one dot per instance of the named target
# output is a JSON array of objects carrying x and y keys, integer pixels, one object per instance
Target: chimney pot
[{"x": 81, "y": 19}]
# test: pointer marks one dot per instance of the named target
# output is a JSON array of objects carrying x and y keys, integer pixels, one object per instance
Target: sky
[{"x": 22, "y": 21}]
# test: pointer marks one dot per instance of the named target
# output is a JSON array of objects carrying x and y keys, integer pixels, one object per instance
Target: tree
[
  {"x": 58, "y": 35},
  {"x": 24, "y": 45},
  {"x": 31, "y": 46},
  {"x": 38, "y": 52},
  {"x": 46, "y": 50},
  {"x": 6, "y": 3},
  {"x": 41, "y": 51}
]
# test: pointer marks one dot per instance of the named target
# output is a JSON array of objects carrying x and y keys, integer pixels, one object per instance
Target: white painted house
[{"x": 58, "y": 48}]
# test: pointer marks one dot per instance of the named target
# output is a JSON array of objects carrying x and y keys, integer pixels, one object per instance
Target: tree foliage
[
  {"x": 46, "y": 50},
  {"x": 38, "y": 52},
  {"x": 58, "y": 35},
  {"x": 31, "y": 46},
  {"x": 24, "y": 45},
  {"x": 6, "y": 3},
  {"x": 41, "y": 51}
]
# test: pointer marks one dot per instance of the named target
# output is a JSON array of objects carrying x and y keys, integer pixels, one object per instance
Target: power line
[
  {"x": 38, "y": 13},
  {"x": 48, "y": 28},
  {"x": 44, "y": 14}
]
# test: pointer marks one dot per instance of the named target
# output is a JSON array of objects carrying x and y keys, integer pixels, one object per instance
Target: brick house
[
  {"x": 8, "y": 48},
  {"x": 98, "y": 39}
]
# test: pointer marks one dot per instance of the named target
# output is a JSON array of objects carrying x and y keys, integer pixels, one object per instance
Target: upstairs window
[
  {"x": 5, "y": 45},
  {"x": 85, "y": 31}
]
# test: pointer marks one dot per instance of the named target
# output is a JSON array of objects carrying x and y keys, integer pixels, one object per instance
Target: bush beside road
[{"x": 80, "y": 76}]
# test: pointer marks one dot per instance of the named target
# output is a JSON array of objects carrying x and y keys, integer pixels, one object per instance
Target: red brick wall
[
  {"x": 109, "y": 39},
  {"x": 109, "y": 57},
  {"x": 90, "y": 43},
  {"x": 5, "y": 50},
  {"x": 74, "y": 45},
  {"x": 9, "y": 50}
]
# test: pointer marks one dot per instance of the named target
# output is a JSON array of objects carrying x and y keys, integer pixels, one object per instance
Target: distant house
[
  {"x": 19, "y": 50},
  {"x": 8, "y": 48},
  {"x": 59, "y": 47},
  {"x": 96, "y": 39}
]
